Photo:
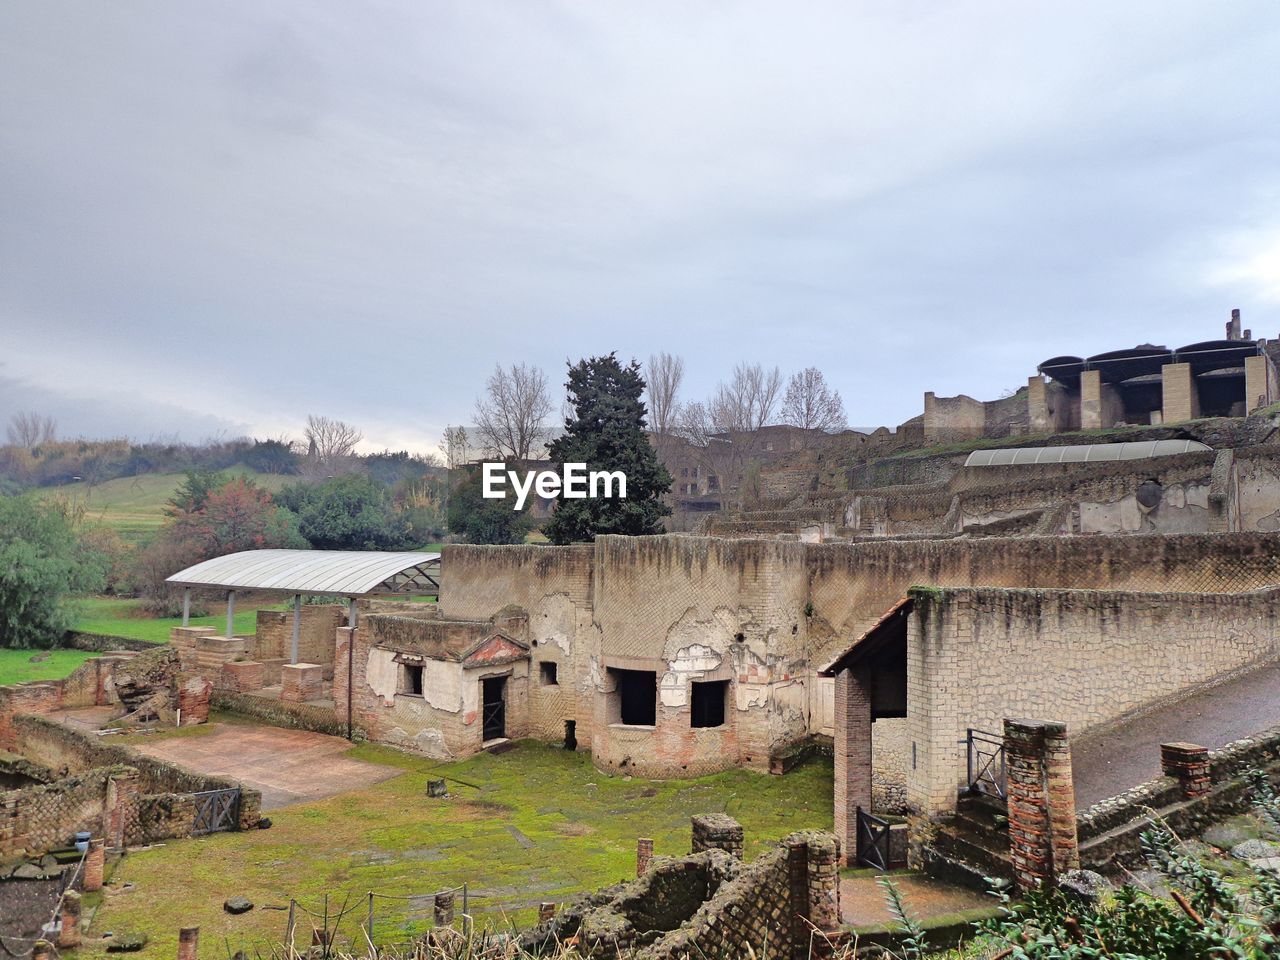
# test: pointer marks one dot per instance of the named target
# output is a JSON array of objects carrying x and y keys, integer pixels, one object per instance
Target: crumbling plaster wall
[
  {"x": 976, "y": 656},
  {"x": 691, "y": 609}
]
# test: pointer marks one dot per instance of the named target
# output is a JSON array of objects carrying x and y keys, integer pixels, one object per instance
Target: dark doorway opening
[
  {"x": 706, "y": 705},
  {"x": 637, "y": 696},
  {"x": 495, "y": 708}
]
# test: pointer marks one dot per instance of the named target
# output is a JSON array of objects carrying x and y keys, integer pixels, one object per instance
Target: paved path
[
  {"x": 1107, "y": 765},
  {"x": 288, "y": 766},
  {"x": 862, "y": 900}
]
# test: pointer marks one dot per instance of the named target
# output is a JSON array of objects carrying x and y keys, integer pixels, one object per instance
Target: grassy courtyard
[
  {"x": 529, "y": 825},
  {"x": 16, "y": 665},
  {"x": 124, "y": 617}
]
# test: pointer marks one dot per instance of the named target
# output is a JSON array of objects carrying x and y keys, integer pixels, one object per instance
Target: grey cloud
[{"x": 267, "y": 210}]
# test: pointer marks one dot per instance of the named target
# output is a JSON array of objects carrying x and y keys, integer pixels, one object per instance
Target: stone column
[
  {"x": 717, "y": 831},
  {"x": 189, "y": 943},
  {"x": 1042, "y": 818},
  {"x": 43, "y": 950},
  {"x": 1189, "y": 764},
  {"x": 644, "y": 853},
  {"x": 95, "y": 864},
  {"x": 546, "y": 912},
  {"x": 69, "y": 934},
  {"x": 1180, "y": 392},
  {"x": 853, "y": 757}
]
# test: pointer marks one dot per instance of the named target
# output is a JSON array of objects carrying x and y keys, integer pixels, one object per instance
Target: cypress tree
[{"x": 607, "y": 432}]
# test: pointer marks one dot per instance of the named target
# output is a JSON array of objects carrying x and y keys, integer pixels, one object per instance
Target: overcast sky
[{"x": 222, "y": 217}]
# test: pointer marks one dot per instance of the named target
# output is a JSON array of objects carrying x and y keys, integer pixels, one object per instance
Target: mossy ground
[{"x": 536, "y": 823}]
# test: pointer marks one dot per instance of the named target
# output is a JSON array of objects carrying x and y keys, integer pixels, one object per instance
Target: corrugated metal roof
[
  {"x": 347, "y": 573},
  {"x": 1082, "y": 453}
]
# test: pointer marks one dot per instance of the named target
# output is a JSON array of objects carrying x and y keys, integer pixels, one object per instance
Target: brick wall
[
  {"x": 979, "y": 655},
  {"x": 273, "y": 637}
]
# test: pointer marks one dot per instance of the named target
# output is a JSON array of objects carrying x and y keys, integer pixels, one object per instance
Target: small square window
[
  {"x": 547, "y": 669},
  {"x": 411, "y": 680}
]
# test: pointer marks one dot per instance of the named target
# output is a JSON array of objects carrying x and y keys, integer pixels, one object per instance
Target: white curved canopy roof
[
  {"x": 1082, "y": 453},
  {"x": 348, "y": 573}
]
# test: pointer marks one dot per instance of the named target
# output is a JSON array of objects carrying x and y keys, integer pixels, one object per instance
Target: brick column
[
  {"x": 1060, "y": 787},
  {"x": 122, "y": 797},
  {"x": 1042, "y": 818},
  {"x": 341, "y": 651},
  {"x": 1257, "y": 382},
  {"x": 824, "y": 883},
  {"x": 95, "y": 864},
  {"x": 717, "y": 831},
  {"x": 69, "y": 933},
  {"x": 798, "y": 896},
  {"x": 546, "y": 911},
  {"x": 193, "y": 700},
  {"x": 644, "y": 853},
  {"x": 189, "y": 943},
  {"x": 1181, "y": 394},
  {"x": 1189, "y": 764},
  {"x": 853, "y": 756}
]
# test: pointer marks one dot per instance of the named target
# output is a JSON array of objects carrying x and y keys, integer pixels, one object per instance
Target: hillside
[{"x": 134, "y": 506}]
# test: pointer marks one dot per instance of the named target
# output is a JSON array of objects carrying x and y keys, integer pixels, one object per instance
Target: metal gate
[
  {"x": 216, "y": 810},
  {"x": 873, "y": 841},
  {"x": 494, "y": 712},
  {"x": 987, "y": 773}
]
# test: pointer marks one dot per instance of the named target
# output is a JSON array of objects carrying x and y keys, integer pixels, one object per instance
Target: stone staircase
[{"x": 973, "y": 845}]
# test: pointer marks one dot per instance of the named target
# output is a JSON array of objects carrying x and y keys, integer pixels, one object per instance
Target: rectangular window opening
[
  {"x": 548, "y": 671},
  {"x": 411, "y": 680},
  {"x": 634, "y": 700},
  {"x": 706, "y": 705}
]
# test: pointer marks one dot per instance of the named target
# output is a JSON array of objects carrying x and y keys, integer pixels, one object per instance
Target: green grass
[
  {"x": 579, "y": 825},
  {"x": 124, "y": 617},
  {"x": 134, "y": 506},
  {"x": 15, "y": 665}
]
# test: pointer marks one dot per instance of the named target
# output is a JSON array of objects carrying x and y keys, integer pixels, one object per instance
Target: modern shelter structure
[{"x": 351, "y": 574}]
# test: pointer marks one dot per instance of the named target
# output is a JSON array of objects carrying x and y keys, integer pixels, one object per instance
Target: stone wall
[
  {"x": 757, "y": 614},
  {"x": 785, "y": 903},
  {"x": 1086, "y": 658},
  {"x": 953, "y": 418},
  {"x": 108, "y": 789}
]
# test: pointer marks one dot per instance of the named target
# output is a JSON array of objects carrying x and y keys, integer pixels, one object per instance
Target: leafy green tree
[
  {"x": 485, "y": 521},
  {"x": 193, "y": 492},
  {"x": 607, "y": 432},
  {"x": 42, "y": 564},
  {"x": 350, "y": 512}
]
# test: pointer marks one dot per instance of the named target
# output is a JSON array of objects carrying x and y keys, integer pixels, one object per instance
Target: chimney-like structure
[{"x": 1233, "y": 326}]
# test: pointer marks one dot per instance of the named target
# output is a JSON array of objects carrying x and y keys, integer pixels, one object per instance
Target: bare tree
[
  {"x": 454, "y": 446},
  {"x": 331, "y": 446},
  {"x": 28, "y": 429},
  {"x": 747, "y": 401},
  {"x": 811, "y": 405},
  {"x": 511, "y": 418},
  {"x": 663, "y": 376},
  {"x": 724, "y": 429}
]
